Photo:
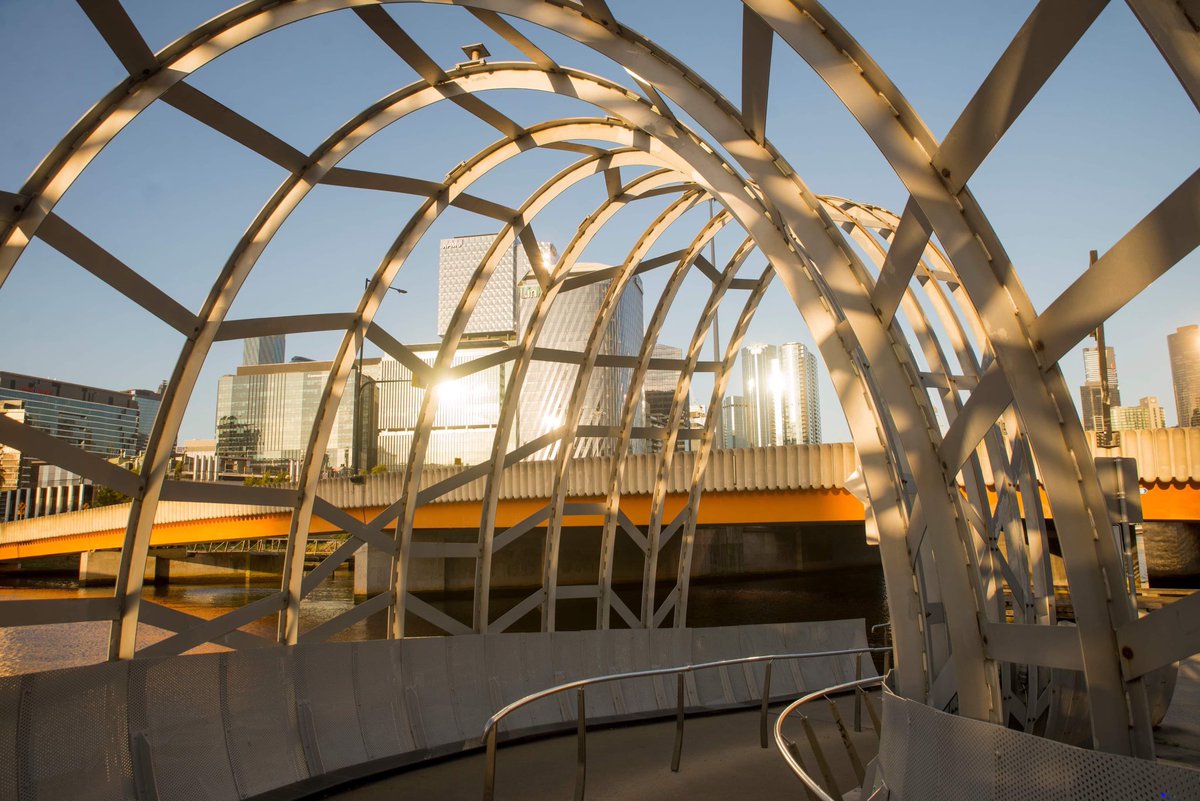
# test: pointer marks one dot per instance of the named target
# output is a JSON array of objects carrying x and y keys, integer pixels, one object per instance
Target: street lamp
[{"x": 357, "y": 437}]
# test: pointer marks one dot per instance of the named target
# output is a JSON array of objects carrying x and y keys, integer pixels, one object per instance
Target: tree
[{"x": 106, "y": 496}]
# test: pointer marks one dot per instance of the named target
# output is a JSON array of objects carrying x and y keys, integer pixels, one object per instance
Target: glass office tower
[
  {"x": 495, "y": 312},
  {"x": 545, "y": 394},
  {"x": 468, "y": 408},
  {"x": 1184, "y": 349},
  {"x": 265, "y": 414},
  {"x": 780, "y": 387}
]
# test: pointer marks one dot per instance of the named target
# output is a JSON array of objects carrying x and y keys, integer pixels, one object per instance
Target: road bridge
[{"x": 787, "y": 484}]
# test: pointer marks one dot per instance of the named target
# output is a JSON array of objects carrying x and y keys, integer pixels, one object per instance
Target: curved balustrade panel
[
  {"x": 292, "y": 720},
  {"x": 927, "y": 755}
]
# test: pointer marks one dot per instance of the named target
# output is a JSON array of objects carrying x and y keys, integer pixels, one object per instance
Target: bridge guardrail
[{"x": 492, "y": 726}]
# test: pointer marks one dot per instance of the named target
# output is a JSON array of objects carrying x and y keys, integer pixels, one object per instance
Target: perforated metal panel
[
  {"x": 328, "y": 701},
  {"x": 519, "y": 664},
  {"x": 630, "y": 650},
  {"x": 73, "y": 739},
  {"x": 176, "y": 707},
  {"x": 379, "y": 694},
  {"x": 669, "y": 647},
  {"x": 926, "y": 755},
  {"x": 427, "y": 681},
  {"x": 262, "y": 730},
  {"x": 469, "y": 688},
  {"x": 10, "y": 705},
  {"x": 576, "y": 655},
  {"x": 720, "y": 686},
  {"x": 213, "y": 727}
]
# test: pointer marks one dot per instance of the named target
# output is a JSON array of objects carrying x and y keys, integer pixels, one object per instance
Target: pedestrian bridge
[{"x": 946, "y": 369}]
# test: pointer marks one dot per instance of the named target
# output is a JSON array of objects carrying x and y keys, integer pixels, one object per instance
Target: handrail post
[
  {"x": 678, "y": 750},
  {"x": 489, "y": 766},
  {"x": 857, "y": 699},
  {"x": 581, "y": 765},
  {"x": 762, "y": 723},
  {"x": 822, "y": 762}
]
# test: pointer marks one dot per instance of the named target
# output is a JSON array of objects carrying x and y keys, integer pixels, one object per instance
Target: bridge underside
[{"x": 946, "y": 372}]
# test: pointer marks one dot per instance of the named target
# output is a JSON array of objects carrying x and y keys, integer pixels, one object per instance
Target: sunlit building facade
[
  {"x": 495, "y": 312},
  {"x": 546, "y": 391},
  {"x": 1148, "y": 414},
  {"x": 1091, "y": 410},
  {"x": 658, "y": 394},
  {"x": 265, "y": 415},
  {"x": 468, "y": 408},
  {"x": 1184, "y": 349},
  {"x": 108, "y": 423},
  {"x": 735, "y": 426},
  {"x": 779, "y": 383},
  {"x": 264, "y": 350}
]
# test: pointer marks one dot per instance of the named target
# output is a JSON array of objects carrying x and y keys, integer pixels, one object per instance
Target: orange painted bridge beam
[
  {"x": 726, "y": 508},
  {"x": 1160, "y": 501}
]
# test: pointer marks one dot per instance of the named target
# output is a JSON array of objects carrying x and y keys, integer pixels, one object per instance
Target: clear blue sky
[{"x": 1109, "y": 137}]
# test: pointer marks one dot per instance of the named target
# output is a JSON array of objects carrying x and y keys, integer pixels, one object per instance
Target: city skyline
[{"x": 312, "y": 269}]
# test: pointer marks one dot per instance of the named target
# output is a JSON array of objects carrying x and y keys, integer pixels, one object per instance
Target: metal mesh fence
[
  {"x": 927, "y": 755},
  {"x": 243, "y": 723}
]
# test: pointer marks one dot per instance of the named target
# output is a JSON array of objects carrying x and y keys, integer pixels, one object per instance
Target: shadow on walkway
[{"x": 722, "y": 759}]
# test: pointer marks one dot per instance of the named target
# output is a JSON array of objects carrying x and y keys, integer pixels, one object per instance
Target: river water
[{"x": 824, "y": 595}]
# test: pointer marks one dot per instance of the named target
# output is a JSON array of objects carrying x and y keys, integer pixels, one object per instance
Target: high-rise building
[
  {"x": 105, "y": 422},
  {"x": 546, "y": 392},
  {"x": 263, "y": 350},
  {"x": 265, "y": 414},
  {"x": 735, "y": 426},
  {"x": 1090, "y": 401},
  {"x": 1148, "y": 414},
  {"x": 468, "y": 408},
  {"x": 147, "y": 403},
  {"x": 1184, "y": 349},
  {"x": 658, "y": 392},
  {"x": 495, "y": 313},
  {"x": 780, "y": 386},
  {"x": 1091, "y": 366}
]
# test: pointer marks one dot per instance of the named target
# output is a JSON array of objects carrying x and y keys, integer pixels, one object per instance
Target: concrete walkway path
[{"x": 721, "y": 760}]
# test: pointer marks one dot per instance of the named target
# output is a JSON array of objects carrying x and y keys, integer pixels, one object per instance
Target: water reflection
[{"x": 826, "y": 595}]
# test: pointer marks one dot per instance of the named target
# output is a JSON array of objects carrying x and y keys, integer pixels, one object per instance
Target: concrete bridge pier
[
  {"x": 372, "y": 568},
  {"x": 100, "y": 567},
  {"x": 165, "y": 564}
]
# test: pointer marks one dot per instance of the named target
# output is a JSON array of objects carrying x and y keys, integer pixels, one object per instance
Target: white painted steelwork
[{"x": 969, "y": 591}]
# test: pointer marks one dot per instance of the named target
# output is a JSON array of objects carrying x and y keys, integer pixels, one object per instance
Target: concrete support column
[
  {"x": 100, "y": 567},
  {"x": 162, "y": 572},
  {"x": 372, "y": 571}
]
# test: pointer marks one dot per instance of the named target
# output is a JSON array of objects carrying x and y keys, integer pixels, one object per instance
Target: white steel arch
[{"x": 940, "y": 547}]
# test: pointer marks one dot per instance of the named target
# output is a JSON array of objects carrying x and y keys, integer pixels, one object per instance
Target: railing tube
[
  {"x": 493, "y": 723},
  {"x": 762, "y": 721},
  {"x": 581, "y": 756},
  {"x": 489, "y": 768},
  {"x": 679, "y": 695}
]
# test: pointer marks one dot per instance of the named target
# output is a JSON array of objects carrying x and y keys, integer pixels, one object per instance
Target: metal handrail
[
  {"x": 792, "y": 755},
  {"x": 490, "y": 728}
]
